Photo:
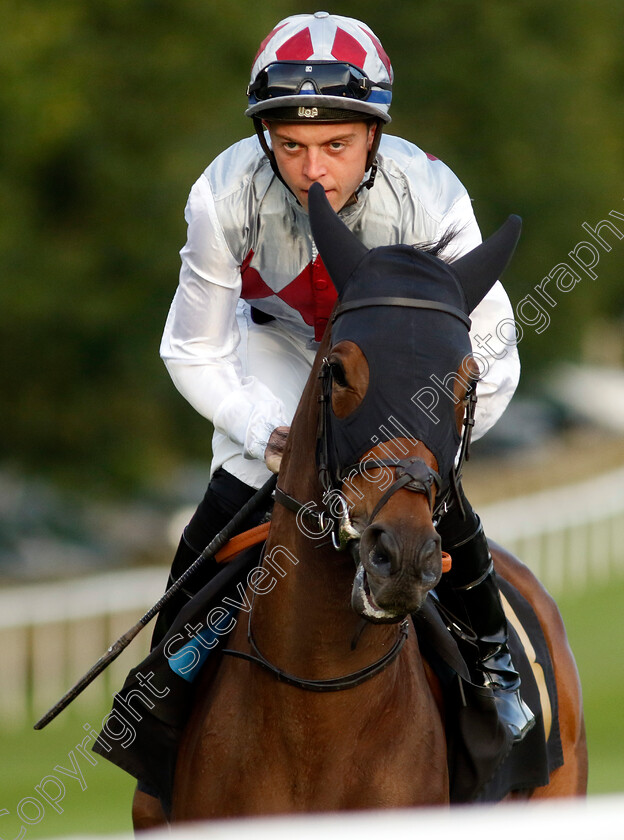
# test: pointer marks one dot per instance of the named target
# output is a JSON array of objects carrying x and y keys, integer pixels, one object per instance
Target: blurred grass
[
  {"x": 592, "y": 620},
  {"x": 28, "y": 756}
]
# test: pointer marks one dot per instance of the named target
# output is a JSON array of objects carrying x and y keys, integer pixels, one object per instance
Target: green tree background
[{"x": 109, "y": 110}]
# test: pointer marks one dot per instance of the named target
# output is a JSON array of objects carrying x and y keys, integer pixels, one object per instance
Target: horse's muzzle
[{"x": 394, "y": 575}]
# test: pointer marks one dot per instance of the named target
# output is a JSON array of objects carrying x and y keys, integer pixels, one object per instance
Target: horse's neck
[{"x": 306, "y": 617}]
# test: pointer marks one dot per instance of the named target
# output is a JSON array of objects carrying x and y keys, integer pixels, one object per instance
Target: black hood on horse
[{"x": 402, "y": 291}]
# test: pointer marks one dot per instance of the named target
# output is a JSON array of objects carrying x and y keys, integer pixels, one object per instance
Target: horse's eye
[{"x": 338, "y": 374}]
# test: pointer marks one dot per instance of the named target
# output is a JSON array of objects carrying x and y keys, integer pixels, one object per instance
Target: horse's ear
[
  {"x": 479, "y": 269},
  {"x": 340, "y": 250}
]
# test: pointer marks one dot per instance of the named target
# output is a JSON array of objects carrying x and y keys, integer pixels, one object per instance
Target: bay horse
[{"x": 369, "y": 730}]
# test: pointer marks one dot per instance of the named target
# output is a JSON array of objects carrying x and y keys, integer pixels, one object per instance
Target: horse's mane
[{"x": 436, "y": 248}]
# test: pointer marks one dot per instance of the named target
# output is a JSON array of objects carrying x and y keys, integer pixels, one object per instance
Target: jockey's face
[{"x": 334, "y": 154}]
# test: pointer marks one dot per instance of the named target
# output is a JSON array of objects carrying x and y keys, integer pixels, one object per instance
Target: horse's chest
[{"x": 292, "y": 752}]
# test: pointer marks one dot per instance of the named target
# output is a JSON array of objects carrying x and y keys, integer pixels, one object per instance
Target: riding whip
[{"x": 115, "y": 649}]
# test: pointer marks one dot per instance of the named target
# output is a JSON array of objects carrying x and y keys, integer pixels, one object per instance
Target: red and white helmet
[{"x": 321, "y": 68}]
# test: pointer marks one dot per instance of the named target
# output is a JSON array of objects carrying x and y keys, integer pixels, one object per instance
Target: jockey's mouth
[{"x": 328, "y": 191}]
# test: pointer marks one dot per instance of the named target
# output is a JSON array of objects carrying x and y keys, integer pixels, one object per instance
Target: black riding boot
[
  {"x": 224, "y": 497},
  {"x": 471, "y": 593}
]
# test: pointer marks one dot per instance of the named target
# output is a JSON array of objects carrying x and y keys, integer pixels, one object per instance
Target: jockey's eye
[{"x": 338, "y": 374}]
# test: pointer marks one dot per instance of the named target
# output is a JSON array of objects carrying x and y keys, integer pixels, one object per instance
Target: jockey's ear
[
  {"x": 478, "y": 270},
  {"x": 372, "y": 131},
  {"x": 340, "y": 250}
]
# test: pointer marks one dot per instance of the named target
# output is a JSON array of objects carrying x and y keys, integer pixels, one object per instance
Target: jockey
[{"x": 254, "y": 297}]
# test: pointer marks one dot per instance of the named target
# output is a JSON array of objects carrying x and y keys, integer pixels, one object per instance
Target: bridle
[{"x": 411, "y": 473}]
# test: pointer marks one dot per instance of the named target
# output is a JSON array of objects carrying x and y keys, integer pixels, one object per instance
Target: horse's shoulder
[
  {"x": 513, "y": 570},
  {"x": 572, "y": 776},
  {"x": 435, "y": 686},
  {"x": 522, "y": 578}
]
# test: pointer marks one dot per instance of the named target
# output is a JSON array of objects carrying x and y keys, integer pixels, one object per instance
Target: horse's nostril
[
  {"x": 384, "y": 543},
  {"x": 385, "y": 556},
  {"x": 381, "y": 551},
  {"x": 429, "y": 561},
  {"x": 430, "y": 549}
]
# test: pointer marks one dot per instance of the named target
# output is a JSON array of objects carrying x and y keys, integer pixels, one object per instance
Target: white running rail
[
  {"x": 571, "y": 536},
  {"x": 50, "y": 634}
]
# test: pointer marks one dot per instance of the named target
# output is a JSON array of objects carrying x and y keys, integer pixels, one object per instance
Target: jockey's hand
[{"x": 275, "y": 448}]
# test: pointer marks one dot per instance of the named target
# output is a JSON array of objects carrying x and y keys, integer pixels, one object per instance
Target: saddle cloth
[
  {"x": 142, "y": 732},
  {"x": 484, "y": 766}
]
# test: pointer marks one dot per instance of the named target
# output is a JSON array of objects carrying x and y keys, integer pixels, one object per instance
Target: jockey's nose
[{"x": 313, "y": 167}]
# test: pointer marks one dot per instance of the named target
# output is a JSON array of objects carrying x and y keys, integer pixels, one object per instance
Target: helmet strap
[
  {"x": 268, "y": 151},
  {"x": 370, "y": 160}
]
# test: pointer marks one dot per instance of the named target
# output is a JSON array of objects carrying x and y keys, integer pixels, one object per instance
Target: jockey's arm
[
  {"x": 492, "y": 333},
  {"x": 201, "y": 339}
]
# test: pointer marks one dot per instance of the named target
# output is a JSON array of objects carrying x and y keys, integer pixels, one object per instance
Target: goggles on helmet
[{"x": 321, "y": 78}]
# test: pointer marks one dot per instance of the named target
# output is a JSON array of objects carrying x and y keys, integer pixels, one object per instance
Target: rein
[
  {"x": 332, "y": 684},
  {"x": 346, "y": 681}
]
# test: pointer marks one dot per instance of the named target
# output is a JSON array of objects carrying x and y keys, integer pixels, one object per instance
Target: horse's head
[{"x": 396, "y": 380}]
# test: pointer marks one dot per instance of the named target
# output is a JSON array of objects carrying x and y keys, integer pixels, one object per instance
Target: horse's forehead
[
  {"x": 428, "y": 339},
  {"x": 408, "y": 351},
  {"x": 404, "y": 271}
]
